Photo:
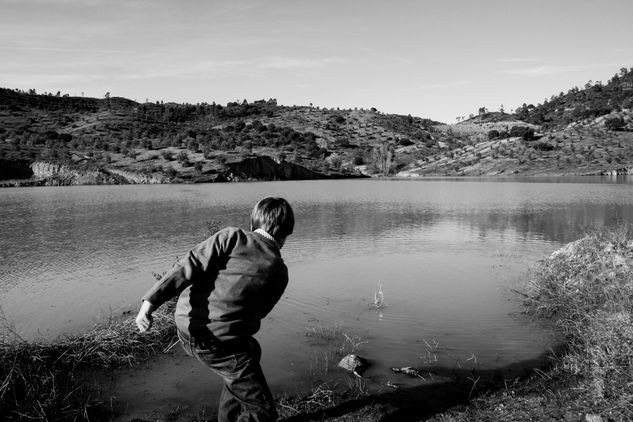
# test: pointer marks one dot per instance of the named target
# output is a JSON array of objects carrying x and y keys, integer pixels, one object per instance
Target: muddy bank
[{"x": 176, "y": 387}]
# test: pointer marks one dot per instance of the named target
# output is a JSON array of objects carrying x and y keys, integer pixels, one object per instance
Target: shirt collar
[{"x": 268, "y": 236}]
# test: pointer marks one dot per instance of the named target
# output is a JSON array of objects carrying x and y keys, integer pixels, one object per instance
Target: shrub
[
  {"x": 170, "y": 172},
  {"x": 517, "y": 131},
  {"x": 586, "y": 290},
  {"x": 335, "y": 161},
  {"x": 522, "y": 132},
  {"x": 544, "y": 146},
  {"x": 493, "y": 134},
  {"x": 342, "y": 142},
  {"x": 614, "y": 123},
  {"x": 168, "y": 155},
  {"x": 183, "y": 158}
]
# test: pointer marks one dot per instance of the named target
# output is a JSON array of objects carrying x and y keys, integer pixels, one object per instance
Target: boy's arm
[
  {"x": 144, "y": 318},
  {"x": 197, "y": 261}
]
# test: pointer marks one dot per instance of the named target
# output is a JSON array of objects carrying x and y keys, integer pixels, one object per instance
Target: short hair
[{"x": 275, "y": 216}]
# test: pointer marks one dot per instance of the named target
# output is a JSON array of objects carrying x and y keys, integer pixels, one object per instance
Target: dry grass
[
  {"x": 39, "y": 380},
  {"x": 587, "y": 289}
]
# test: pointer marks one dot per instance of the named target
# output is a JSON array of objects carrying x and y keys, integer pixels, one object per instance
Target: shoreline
[
  {"x": 46, "y": 182},
  {"x": 584, "y": 289}
]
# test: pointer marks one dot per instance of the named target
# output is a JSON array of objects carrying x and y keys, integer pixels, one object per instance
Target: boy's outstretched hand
[{"x": 144, "y": 318}]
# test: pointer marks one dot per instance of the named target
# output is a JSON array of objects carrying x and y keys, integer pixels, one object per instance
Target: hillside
[
  {"x": 595, "y": 100},
  {"x": 58, "y": 140},
  {"x": 184, "y": 142},
  {"x": 586, "y": 147}
]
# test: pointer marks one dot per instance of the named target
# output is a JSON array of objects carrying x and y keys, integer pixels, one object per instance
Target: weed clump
[
  {"x": 586, "y": 289},
  {"x": 41, "y": 380}
]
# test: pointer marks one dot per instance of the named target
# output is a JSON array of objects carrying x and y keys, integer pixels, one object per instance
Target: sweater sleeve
[{"x": 209, "y": 255}]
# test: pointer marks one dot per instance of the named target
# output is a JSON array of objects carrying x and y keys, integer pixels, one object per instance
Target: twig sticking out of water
[
  {"x": 430, "y": 357},
  {"x": 474, "y": 381},
  {"x": 355, "y": 341}
]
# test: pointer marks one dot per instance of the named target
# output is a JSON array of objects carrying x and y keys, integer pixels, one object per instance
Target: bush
[
  {"x": 359, "y": 160},
  {"x": 183, "y": 158},
  {"x": 168, "y": 155},
  {"x": 170, "y": 172},
  {"x": 614, "y": 123},
  {"x": 524, "y": 132},
  {"x": 335, "y": 161},
  {"x": 405, "y": 142},
  {"x": 544, "y": 146},
  {"x": 493, "y": 134},
  {"x": 517, "y": 131},
  {"x": 586, "y": 290},
  {"x": 342, "y": 142}
]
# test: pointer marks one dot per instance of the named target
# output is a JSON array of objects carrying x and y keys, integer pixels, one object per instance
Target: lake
[{"x": 445, "y": 253}]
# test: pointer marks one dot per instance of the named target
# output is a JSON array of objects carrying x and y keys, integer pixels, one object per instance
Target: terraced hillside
[
  {"x": 586, "y": 147},
  {"x": 56, "y": 139},
  {"x": 201, "y": 142}
]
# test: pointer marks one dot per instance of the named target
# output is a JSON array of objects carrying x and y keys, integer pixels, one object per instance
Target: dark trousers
[{"x": 245, "y": 396}]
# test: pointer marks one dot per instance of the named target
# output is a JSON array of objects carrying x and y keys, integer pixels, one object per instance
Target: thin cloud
[
  {"x": 442, "y": 85},
  {"x": 61, "y": 50},
  {"x": 520, "y": 59},
  {"x": 190, "y": 70},
  {"x": 555, "y": 69},
  {"x": 294, "y": 63}
]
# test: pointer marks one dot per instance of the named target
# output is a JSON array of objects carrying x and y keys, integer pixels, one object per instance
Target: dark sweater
[{"x": 227, "y": 284}]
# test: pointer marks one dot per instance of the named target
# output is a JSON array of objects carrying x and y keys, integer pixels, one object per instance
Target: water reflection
[{"x": 445, "y": 250}]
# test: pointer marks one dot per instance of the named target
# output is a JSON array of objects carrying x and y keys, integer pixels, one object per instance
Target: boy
[{"x": 227, "y": 284}]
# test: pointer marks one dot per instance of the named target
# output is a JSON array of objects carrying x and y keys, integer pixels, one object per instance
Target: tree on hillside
[
  {"x": 183, "y": 158},
  {"x": 614, "y": 123}
]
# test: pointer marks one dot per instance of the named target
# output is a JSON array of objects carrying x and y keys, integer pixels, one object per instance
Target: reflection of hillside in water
[
  {"x": 563, "y": 224},
  {"x": 358, "y": 228}
]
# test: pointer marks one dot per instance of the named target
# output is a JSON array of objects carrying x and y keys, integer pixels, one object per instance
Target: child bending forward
[{"x": 227, "y": 284}]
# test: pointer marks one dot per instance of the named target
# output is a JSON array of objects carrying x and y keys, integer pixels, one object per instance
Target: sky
[{"x": 433, "y": 59}]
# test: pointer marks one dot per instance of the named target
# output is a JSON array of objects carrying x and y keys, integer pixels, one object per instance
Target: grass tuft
[
  {"x": 586, "y": 289},
  {"x": 40, "y": 380}
]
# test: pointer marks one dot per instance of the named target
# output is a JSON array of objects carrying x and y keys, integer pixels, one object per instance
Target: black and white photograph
[{"x": 333, "y": 211}]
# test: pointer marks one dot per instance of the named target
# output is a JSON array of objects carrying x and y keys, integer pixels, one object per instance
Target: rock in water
[{"x": 354, "y": 364}]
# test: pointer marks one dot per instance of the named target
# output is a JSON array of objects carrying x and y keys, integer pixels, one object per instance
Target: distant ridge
[{"x": 586, "y": 131}]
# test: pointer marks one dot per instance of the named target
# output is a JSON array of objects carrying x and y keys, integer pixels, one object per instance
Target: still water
[{"x": 446, "y": 252}]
